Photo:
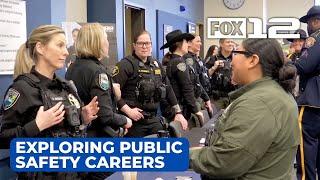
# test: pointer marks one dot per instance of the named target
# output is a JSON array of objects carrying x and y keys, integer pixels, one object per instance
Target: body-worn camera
[
  {"x": 72, "y": 120},
  {"x": 226, "y": 64}
]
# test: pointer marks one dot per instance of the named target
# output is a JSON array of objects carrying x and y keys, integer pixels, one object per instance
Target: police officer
[
  {"x": 178, "y": 72},
  {"x": 91, "y": 79},
  {"x": 198, "y": 73},
  {"x": 72, "y": 52},
  {"x": 40, "y": 104},
  {"x": 308, "y": 67},
  {"x": 219, "y": 70},
  {"x": 297, "y": 45},
  {"x": 143, "y": 85}
]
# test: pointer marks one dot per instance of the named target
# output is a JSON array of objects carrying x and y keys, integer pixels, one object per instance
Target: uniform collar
[
  {"x": 44, "y": 80},
  {"x": 140, "y": 60},
  {"x": 237, "y": 93},
  {"x": 224, "y": 58},
  {"x": 175, "y": 56},
  {"x": 192, "y": 54},
  {"x": 315, "y": 34},
  {"x": 92, "y": 58}
]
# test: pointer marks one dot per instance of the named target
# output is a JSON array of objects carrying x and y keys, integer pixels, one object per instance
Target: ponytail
[
  {"x": 23, "y": 63},
  {"x": 166, "y": 58},
  {"x": 287, "y": 77}
]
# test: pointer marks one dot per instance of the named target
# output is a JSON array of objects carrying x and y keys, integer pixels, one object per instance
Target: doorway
[
  {"x": 200, "y": 32},
  {"x": 133, "y": 24}
]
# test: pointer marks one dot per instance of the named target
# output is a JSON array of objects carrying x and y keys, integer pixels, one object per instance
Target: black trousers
[
  {"x": 145, "y": 127},
  {"x": 308, "y": 160}
]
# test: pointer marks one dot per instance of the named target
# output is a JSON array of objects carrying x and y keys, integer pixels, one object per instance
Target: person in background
[
  {"x": 40, "y": 104},
  {"x": 260, "y": 124},
  {"x": 144, "y": 84},
  {"x": 308, "y": 68},
  {"x": 297, "y": 45},
  {"x": 72, "y": 52},
  {"x": 178, "y": 73},
  {"x": 23, "y": 63},
  {"x": 91, "y": 79},
  {"x": 219, "y": 71},
  {"x": 212, "y": 51},
  {"x": 198, "y": 74}
]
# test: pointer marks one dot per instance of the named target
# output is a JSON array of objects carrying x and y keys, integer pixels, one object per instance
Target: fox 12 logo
[{"x": 237, "y": 28}]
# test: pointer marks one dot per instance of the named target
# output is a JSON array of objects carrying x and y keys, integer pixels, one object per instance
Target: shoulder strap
[
  {"x": 71, "y": 88},
  {"x": 31, "y": 79},
  {"x": 34, "y": 81},
  {"x": 131, "y": 59}
]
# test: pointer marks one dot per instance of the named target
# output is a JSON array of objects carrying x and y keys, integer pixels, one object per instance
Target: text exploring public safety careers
[{"x": 99, "y": 154}]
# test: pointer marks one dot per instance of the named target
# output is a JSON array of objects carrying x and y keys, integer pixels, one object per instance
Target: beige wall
[
  {"x": 254, "y": 8},
  {"x": 76, "y": 10}
]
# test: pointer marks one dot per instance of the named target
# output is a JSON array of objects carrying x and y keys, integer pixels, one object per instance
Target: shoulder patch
[
  {"x": 115, "y": 71},
  {"x": 11, "y": 98},
  {"x": 103, "y": 81},
  {"x": 310, "y": 41},
  {"x": 189, "y": 61},
  {"x": 182, "y": 66}
]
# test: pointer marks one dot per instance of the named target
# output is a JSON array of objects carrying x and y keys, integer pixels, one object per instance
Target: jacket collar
[{"x": 239, "y": 92}]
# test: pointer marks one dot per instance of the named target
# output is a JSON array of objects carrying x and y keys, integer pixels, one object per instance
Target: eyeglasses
[
  {"x": 141, "y": 44},
  {"x": 247, "y": 53}
]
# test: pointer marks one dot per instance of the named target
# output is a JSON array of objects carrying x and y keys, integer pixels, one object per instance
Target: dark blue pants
[{"x": 307, "y": 156}]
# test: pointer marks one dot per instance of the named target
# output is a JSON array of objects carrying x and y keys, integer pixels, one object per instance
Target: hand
[
  {"x": 117, "y": 91},
  {"x": 128, "y": 124},
  {"x": 89, "y": 112},
  {"x": 182, "y": 120},
  {"x": 200, "y": 117},
  {"x": 209, "y": 108},
  {"x": 135, "y": 114},
  {"x": 219, "y": 63},
  {"x": 50, "y": 117}
]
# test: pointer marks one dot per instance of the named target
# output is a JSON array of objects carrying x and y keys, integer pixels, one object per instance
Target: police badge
[
  {"x": 73, "y": 101},
  {"x": 11, "y": 98},
  {"x": 104, "y": 81},
  {"x": 115, "y": 71}
]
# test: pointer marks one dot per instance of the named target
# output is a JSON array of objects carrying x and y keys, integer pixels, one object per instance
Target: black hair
[
  {"x": 166, "y": 58},
  {"x": 174, "y": 46},
  {"x": 210, "y": 51},
  {"x": 272, "y": 61}
]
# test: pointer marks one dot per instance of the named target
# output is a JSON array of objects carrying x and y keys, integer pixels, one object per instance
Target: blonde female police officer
[{"x": 40, "y": 104}]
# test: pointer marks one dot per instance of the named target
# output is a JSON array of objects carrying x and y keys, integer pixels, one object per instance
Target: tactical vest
[
  {"x": 194, "y": 76},
  {"x": 51, "y": 95},
  {"x": 149, "y": 88},
  {"x": 221, "y": 81},
  {"x": 203, "y": 77}
]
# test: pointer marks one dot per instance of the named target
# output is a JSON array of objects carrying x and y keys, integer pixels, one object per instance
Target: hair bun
[{"x": 287, "y": 77}]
